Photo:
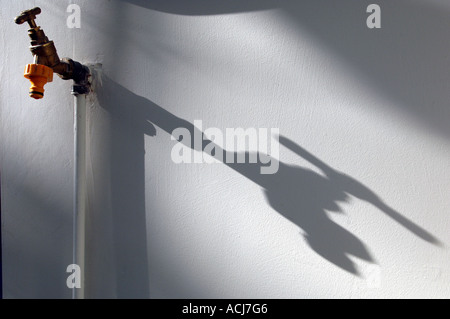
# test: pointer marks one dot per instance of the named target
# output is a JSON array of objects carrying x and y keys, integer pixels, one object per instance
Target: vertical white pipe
[{"x": 79, "y": 208}]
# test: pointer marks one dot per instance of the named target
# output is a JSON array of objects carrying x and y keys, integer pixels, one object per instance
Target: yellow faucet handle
[{"x": 39, "y": 75}]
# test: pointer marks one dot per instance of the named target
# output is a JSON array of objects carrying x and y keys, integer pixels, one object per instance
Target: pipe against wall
[
  {"x": 1, "y": 270},
  {"x": 79, "y": 208}
]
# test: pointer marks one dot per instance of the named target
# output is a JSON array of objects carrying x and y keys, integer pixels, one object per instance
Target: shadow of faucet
[{"x": 297, "y": 193}]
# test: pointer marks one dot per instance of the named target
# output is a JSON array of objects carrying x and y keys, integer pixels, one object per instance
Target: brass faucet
[{"x": 44, "y": 53}]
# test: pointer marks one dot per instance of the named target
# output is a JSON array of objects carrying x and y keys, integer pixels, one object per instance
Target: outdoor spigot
[{"x": 46, "y": 57}]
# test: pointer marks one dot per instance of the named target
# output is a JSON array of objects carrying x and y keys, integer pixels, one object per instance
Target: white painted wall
[{"x": 372, "y": 104}]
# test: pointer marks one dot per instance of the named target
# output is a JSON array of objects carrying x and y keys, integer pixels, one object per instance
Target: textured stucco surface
[{"x": 372, "y": 104}]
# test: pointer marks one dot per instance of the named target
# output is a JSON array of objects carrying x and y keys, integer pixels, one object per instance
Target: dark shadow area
[
  {"x": 128, "y": 201},
  {"x": 405, "y": 61},
  {"x": 121, "y": 208},
  {"x": 206, "y": 7},
  {"x": 297, "y": 193}
]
